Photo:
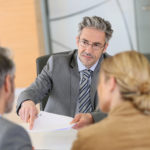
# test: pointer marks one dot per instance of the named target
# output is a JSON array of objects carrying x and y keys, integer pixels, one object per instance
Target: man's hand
[
  {"x": 28, "y": 112},
  {"x": 82, "y": 120}
]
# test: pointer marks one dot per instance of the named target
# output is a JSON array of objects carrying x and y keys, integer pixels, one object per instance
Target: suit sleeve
[
  {"x": 98, "y": 115},
  {"x": 40, "y": 87},
  {"x": 16, "y": 138}
]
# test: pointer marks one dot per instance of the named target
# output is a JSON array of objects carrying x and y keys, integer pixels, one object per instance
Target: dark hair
[{"x": 6, "y": 65}]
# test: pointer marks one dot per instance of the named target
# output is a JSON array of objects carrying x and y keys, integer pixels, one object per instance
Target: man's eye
[
  {"x": 85, "y": 42},
  {"x": 97, "y": 45}
]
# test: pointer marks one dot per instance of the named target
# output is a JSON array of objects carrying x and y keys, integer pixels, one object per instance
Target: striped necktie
[{"x": 84, "y": 93}]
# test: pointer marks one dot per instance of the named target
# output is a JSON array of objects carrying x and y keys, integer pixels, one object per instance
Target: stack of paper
[{"x": 53, "y": 132}]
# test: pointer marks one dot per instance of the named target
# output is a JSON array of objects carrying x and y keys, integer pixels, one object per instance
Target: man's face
[
  {"x": 10, "y": 97},
  {"x": 91, "y": 45}
]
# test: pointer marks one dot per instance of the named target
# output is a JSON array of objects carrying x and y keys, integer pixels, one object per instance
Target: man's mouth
[{"x": 87, "y": 56}]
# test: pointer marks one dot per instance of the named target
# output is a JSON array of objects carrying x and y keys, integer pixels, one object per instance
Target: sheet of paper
[
  {"x": 55, "y": 140},
  {"x": 51, "y": 122},
  {"x": 52, "y": 132}
]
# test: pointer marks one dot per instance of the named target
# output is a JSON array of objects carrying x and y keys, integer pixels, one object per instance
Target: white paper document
[
  {"x": 49, "y": 121},
  {"x": 52, "y": 131}
]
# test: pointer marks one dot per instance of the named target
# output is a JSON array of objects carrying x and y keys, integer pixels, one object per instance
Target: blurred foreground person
[
  {"x": 124, "y": 92},
  {"x": 12, "y": 136}
]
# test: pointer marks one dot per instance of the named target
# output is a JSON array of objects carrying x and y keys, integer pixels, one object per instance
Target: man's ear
[
  {"x": 7, "y": 83},
  {"x": 77, "y": 41},
  {"x": 105, "y": 47}
]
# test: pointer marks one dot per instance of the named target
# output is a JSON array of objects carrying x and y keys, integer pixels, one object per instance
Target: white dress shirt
[{"x": 81, "y": 67}]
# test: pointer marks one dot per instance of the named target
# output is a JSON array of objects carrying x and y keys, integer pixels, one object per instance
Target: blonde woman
[{"x": 124, "y": 92}]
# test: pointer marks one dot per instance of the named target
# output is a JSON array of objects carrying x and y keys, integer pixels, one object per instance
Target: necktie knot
[{"x": 87, "y": 73}]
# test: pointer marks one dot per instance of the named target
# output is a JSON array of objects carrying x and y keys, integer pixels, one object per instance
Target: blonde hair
[{"x": 131, "y": 70}]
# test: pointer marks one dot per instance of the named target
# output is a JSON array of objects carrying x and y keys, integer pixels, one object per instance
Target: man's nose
[{"x": 89, "y": 48}]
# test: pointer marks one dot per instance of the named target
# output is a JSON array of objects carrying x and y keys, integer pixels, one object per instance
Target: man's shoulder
[
  {"x": 11, "y": 133},
  {"x": 64, "y": 54},
  {"x": 106, "y": 55},
  {"x": 6, "y": 125},
  {"x": 64, "y": 58}
]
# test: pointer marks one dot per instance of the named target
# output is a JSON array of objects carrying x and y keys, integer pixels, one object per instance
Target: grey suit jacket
[
  {"x": 13, "y": 137},
  {"x": 60, "y": 78}
]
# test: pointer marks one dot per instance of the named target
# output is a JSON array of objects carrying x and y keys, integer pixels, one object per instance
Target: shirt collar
[{"x": 81, "y": 67}]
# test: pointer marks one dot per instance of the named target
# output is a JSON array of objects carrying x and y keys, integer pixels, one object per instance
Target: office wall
[
  {"x": 19, "y": 30},
  {"x": 66, "y": 14},
  {"x": 142, "y": 10}
]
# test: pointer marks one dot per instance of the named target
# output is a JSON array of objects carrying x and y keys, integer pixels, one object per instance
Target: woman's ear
[{"x": 112, "y": 84}]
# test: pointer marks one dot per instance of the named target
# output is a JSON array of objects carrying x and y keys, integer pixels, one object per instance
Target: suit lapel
[{"x": 74, "y": 83}]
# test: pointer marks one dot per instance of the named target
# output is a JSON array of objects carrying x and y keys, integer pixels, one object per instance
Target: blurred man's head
[
  {"x": 7, "y": 69},
  {"x": 93, "y": 38}
]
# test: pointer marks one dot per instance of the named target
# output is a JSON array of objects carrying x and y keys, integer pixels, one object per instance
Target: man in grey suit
[
  {"x": 12, "y": 136},
  {"x": 64, "y": 75}
]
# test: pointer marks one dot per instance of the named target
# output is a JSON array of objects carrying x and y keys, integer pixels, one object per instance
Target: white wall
[{"x": 65, "y": 30}]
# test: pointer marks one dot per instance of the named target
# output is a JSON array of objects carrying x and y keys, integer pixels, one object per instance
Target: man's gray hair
[
  {"x": 6, "y": 65},
  {"x": 97, "y": 23}
]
